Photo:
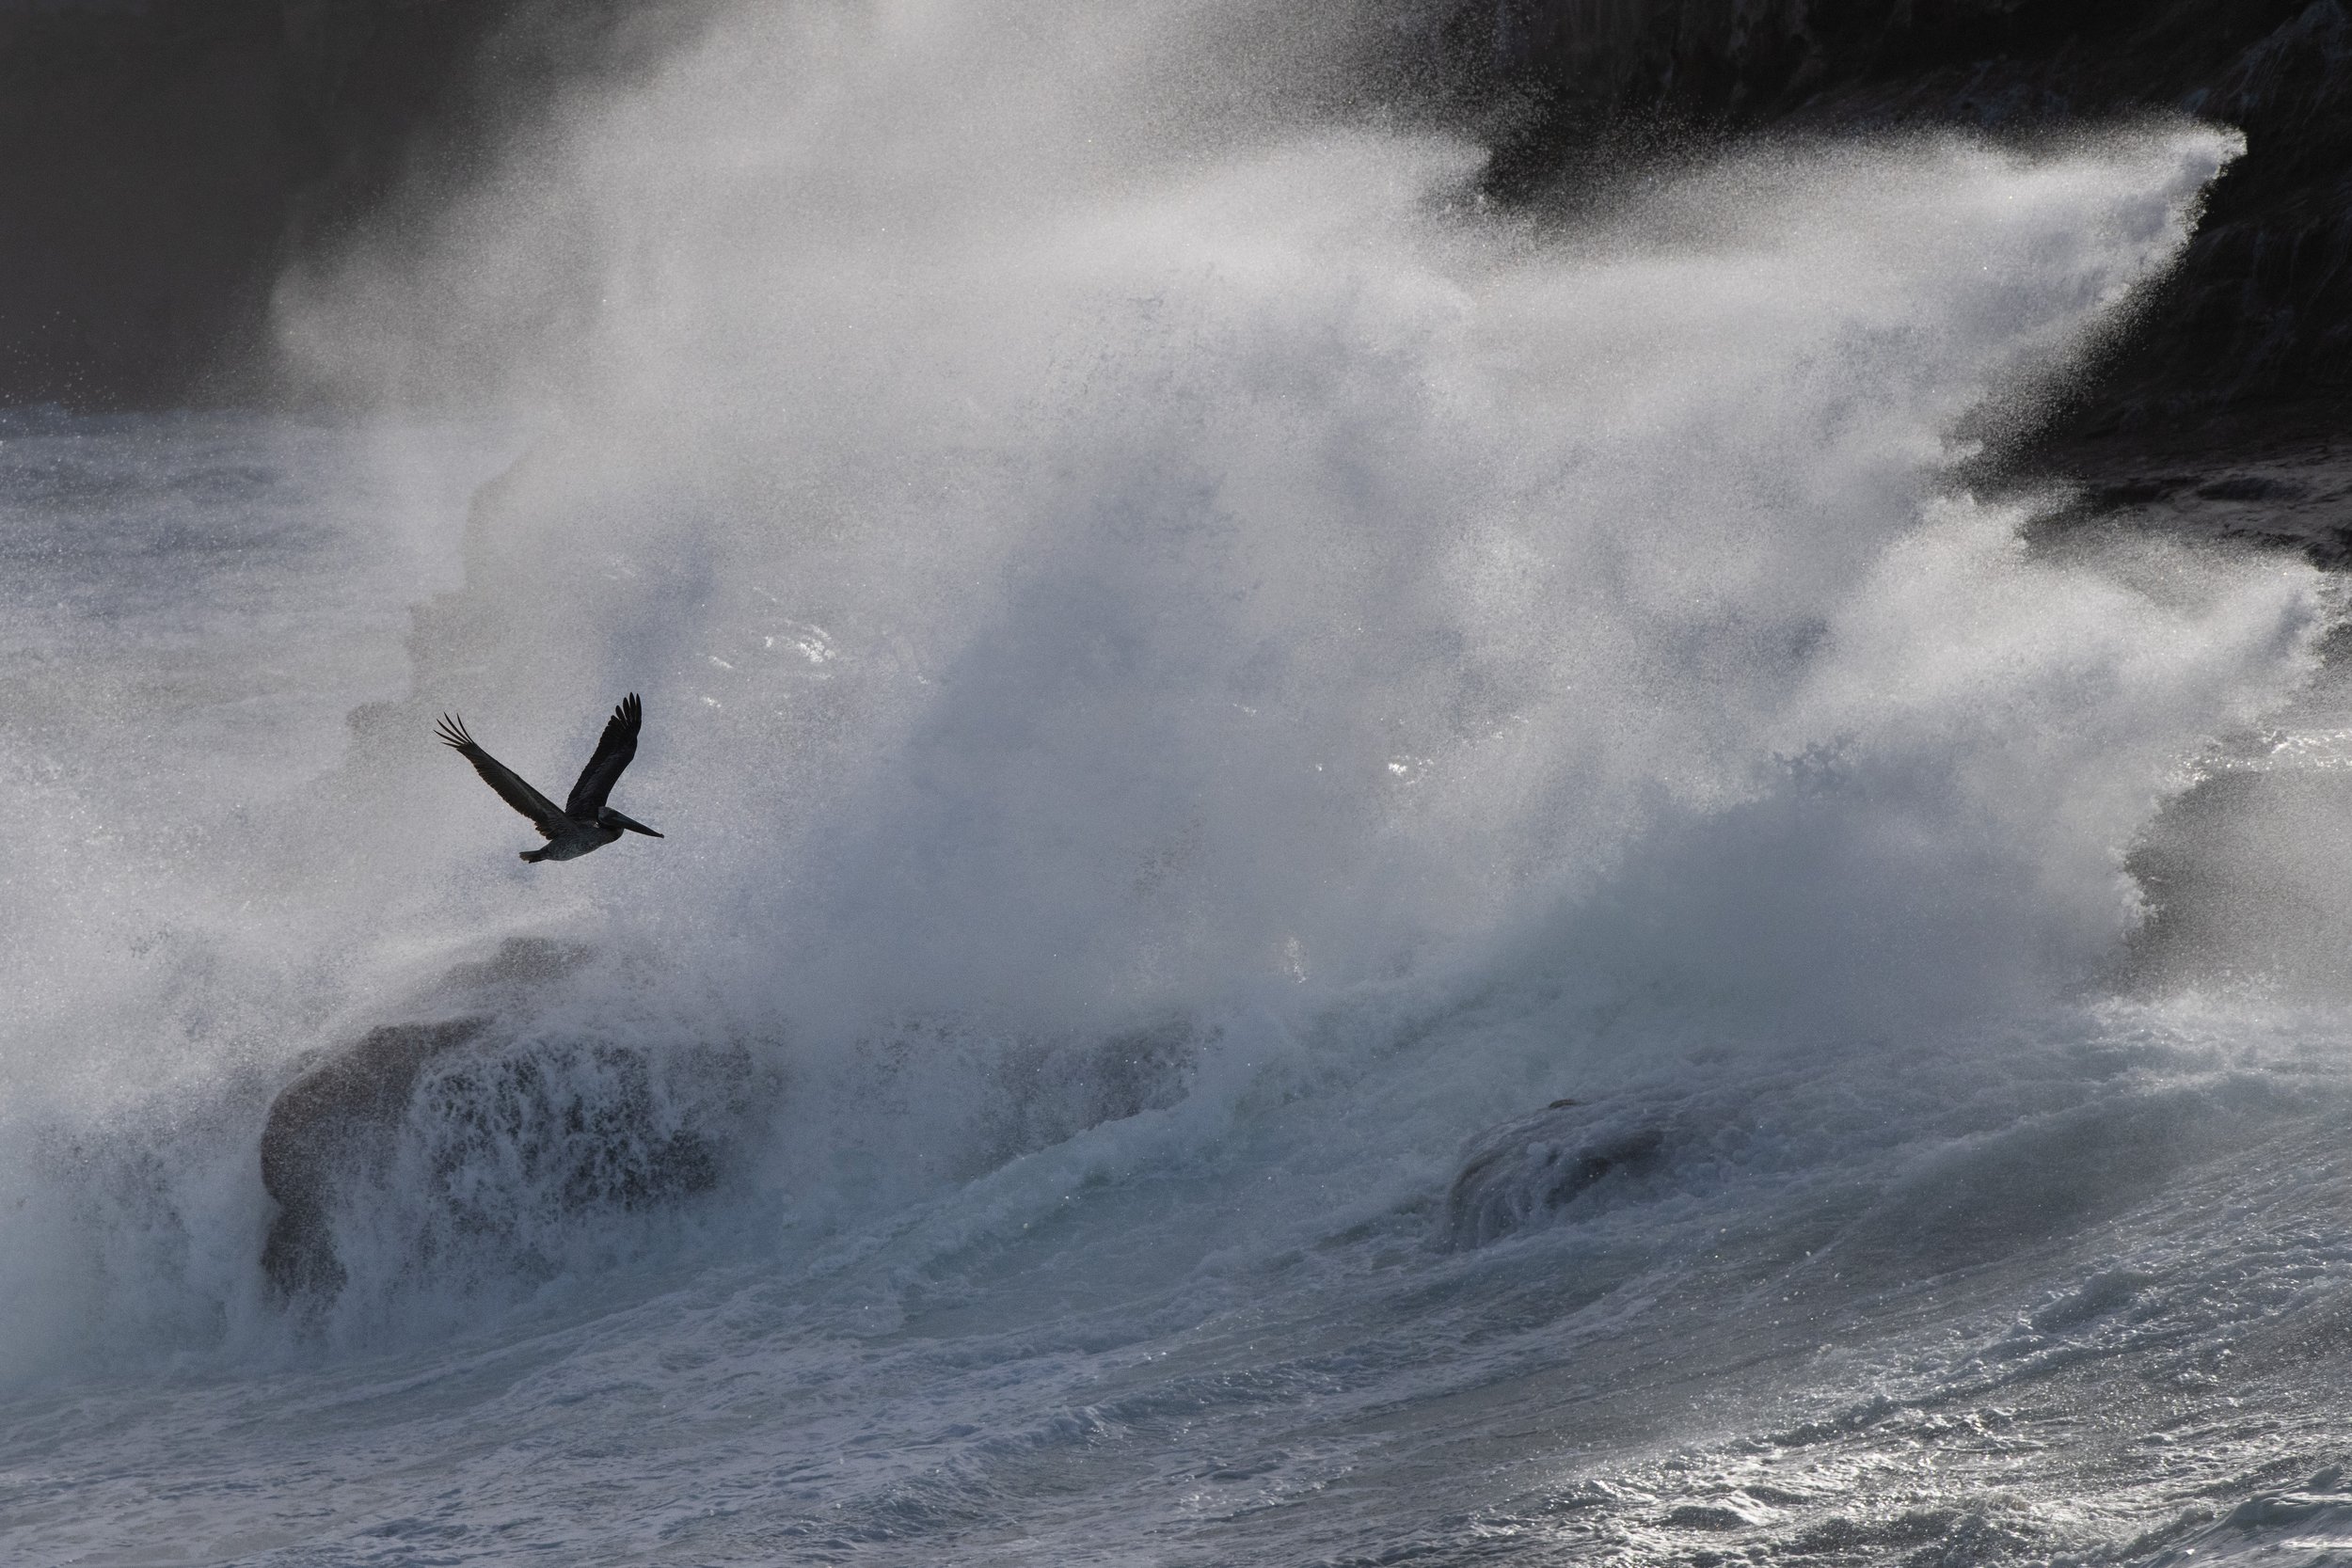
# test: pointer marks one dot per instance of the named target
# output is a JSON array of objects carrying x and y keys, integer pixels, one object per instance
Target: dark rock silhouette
[
  {"x": 333, "y": 1124},
  {"x": 440, "y": 1130}
]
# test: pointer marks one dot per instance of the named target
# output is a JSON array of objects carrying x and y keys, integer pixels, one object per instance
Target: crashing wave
[{"x": 1528, "y": 1171}]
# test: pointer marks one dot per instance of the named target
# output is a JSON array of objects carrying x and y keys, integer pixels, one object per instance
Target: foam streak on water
[{"x": 1193, "y": 673}]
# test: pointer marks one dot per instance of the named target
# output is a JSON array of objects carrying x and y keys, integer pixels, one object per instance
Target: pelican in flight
[{"x": 584, "y": 822}]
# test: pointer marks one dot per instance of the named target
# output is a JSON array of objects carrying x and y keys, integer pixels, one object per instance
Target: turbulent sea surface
[{"x": 1197, "y": 679}]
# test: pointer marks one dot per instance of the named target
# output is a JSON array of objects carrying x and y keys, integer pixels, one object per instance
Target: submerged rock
[
  {"x": 334, "y": 1123},
  {"x": 418, "y": 1137},
  {"x": 1525, "y": 1171}
]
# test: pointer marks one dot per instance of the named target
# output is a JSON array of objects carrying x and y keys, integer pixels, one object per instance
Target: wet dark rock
[
  {"x": 2249, "y": 487},
  {"x": 1525, "y": 1172},
  {"x": 447, "y": 1132},
  {"x": 2136, "y": 492},
  {"x": 2271, "y": 483},
  {"x": 334, "y": 1123}
]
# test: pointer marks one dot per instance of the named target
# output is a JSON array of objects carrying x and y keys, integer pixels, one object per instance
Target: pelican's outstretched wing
[
  {"x": 613, "y": 755},
  {"x": 509, "y": 784}
]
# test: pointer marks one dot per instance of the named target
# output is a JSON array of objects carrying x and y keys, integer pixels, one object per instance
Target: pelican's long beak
[{"x": 620, "y": 821}]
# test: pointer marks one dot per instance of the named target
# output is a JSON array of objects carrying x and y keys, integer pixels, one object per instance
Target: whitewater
[{"x": 1200, "y": 677}]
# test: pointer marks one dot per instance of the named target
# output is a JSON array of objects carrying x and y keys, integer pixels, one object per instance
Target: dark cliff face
[
  {"x": 2259, "y": 316},
  {"x": 167, "y": 160}
]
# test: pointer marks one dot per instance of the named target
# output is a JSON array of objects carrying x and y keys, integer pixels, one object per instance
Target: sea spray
[
  {"x": 1110, "y": 564},
  {"x": 1198, "y": 677}
]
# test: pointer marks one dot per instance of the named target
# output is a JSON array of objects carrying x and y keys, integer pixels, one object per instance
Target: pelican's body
[
  {"x": 583, "y": 822},
  {"x": 577, "y": 839}
]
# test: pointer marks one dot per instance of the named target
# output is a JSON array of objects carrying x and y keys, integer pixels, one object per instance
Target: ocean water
[{"x": 1198, "y": 680}]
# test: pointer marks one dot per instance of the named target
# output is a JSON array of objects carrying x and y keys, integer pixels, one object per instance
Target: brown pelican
[{"x": 585, "y": 822}]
